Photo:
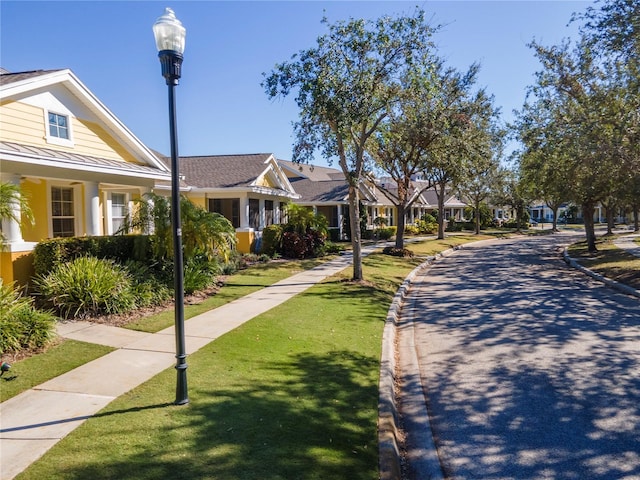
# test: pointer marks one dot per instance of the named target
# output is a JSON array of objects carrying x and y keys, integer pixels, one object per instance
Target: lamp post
[{"x": 170, "y": 38}]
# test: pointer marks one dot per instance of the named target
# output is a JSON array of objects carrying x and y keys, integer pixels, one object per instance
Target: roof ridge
[{"x": 227, "y": 155}]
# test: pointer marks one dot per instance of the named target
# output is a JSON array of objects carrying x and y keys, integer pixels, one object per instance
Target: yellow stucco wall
[
  {"x": 36, "y": 192},
  {"x": 25, "y": 124},
  {"x": 16, "y": 267},
  {"x": 245, "y": 240}
]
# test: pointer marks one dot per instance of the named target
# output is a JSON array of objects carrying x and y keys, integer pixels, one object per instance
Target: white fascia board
[
  {"x": 67, "y": 78},
  {"x": 278, "y": 174},
  {"x": 245, "y": 190}
]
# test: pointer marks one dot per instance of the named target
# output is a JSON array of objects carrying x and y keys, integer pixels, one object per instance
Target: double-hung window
[
  {"x": 62, "y": 212},
  {"x": 118, "y": 211}
]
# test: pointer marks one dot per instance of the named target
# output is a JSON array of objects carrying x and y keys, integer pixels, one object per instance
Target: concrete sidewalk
[
  {"x": 628, "y": 243},
  {"x": 32, "y": 422}
]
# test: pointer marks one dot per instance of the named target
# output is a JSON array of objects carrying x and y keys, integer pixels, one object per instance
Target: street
[{"x": 530, "y": 369}]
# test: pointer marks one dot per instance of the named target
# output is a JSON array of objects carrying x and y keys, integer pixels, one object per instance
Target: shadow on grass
[{"x": 310, "y": 421}]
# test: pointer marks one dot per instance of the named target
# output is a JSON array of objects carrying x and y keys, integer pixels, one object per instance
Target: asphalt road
[{"x": 530, "y": 369}]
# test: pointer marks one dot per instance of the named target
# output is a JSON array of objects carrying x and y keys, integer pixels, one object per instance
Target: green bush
[
  {"x": 87, "y": 286},
  {"x": 152, "y": 284},
  {"x": 397, "y": 252},
  {"x": 426, "y": 227},
  {"x": 271, "y": 239},
  {"x": 21, "y": 325},
  {"x": 199, "y": 274},
  {"x": 386, "y": 233},
  {"x": 121, "y": 248},
  {"x": 411, "y": 230}
]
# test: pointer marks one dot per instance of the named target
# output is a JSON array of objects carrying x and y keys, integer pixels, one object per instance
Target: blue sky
[{"x": 222, "y": 109}]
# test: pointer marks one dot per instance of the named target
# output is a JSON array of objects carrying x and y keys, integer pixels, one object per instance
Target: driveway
[{"x": 530, "y": 369}]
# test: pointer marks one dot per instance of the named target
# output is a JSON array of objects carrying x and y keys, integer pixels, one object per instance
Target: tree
[
  {"x": 516, "y": 193},
  {"x": 346, "y": 85},
  {"x": 594, "y": 87},
  {"x": 483, "y": 148},
  {"x": 400, "y": 145},
  {"x": 205, "y": 233},
  {"x": 11, "y": 197},
  {"x": 542, "y": 163}
]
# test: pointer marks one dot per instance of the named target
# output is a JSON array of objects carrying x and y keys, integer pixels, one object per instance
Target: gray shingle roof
[
  {"x": 222, "y": 171},
  {"x": 320, "y": 191},
  {"x": 7, "y": 78}
]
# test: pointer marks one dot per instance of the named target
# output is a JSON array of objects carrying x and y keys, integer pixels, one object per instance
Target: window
[
  {"x": 229, "y": 208},
  {"x": 118, "y": 211},
  {"x": 62, "y": 212},
  {"x": 254, "y": 213},
  {"x": 268, "y": 212},
  {"x": 58, "y": 126}
]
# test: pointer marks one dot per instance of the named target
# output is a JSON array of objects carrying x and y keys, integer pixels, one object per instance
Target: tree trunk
[
  {"x": 441, "y": 212},
  {"x": 588, "y": 209},
  {"x": 401, "y": 209},
  {"x": 636, "y": 220},
  {"x": 610, "y": 210},
  {"x": 356, "y": 236},
  {"x": 477, "y": 205},
  {"x": 554, "y": 227}
]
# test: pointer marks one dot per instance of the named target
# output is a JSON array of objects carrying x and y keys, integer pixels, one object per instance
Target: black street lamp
[{"x": 170, "y": 39}]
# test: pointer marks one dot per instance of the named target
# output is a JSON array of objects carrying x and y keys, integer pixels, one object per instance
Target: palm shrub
[
  {"x": 199, "y": 273},
  {"x": 21, "y": 325},
  {"x": 151, "y": 283},
  {"x": 87, "y": 286},
  {"x": 11, "y": 195}
]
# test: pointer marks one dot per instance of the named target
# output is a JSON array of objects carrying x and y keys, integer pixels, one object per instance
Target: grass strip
[
  {"x": 609, "y": 260},
  {"x": 235, "y": 286},
  {"x": 292, "y": 394},
  {"x": 56, "y": 360}
]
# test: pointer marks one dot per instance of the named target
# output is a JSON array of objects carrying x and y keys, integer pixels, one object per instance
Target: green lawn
[
  {"x": 235, "y": 286},
  {"x": 59, "y": 359},
  {"x": 292, "y": 394},
  {"x": 610, "y": 261}
]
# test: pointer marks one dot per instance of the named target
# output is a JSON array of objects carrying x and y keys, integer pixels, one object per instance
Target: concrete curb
[
  {"x": 389, "y": 443},
  {"x": 601, "y": 278}
]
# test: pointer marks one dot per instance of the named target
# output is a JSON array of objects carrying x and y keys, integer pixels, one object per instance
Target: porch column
[
  {"x": 263, "y": 215},
  {"x": 92, "y": 209},
  {"x": 10, "y": 227},
  {"x": 340, "y": 218},
  {"x": 244, "y": 212}
]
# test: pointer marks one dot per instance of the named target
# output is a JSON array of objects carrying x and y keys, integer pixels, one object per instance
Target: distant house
[
  {"x": 249, "y": 190},
  {"x": 79, "y": 166}
]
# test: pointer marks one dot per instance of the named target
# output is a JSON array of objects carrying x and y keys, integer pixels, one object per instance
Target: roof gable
[
  {"x": 64, "y": 87},
  {"x": 248, "y": 171}
]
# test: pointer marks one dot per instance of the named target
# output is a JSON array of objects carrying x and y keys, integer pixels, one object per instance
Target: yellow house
[
  {"x": 249, "y": 190},
  {"x": 79, "y": 166}
]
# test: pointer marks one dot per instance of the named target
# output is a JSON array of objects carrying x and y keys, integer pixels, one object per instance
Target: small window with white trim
[{"x": 58, "y": 126}]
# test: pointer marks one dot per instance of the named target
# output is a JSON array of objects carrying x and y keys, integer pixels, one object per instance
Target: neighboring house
[
  {"x": 78, "y": 164},
  {"x": 326, "y": 191},
  {"x": 249, "y": 190}
]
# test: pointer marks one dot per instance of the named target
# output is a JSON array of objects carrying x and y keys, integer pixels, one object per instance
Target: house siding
[
  {"x": 22, "y": 123},
  {"x": 25, "y": 124}
]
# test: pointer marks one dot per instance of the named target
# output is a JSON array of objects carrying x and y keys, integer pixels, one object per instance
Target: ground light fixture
[{"x": 170, "y": 38}]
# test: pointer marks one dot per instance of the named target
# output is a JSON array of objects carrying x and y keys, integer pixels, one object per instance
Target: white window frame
[
  {"x": 64, "y": 142},
  {"x": 77, "y": 207},
  {"x": 109, "y": 208}
]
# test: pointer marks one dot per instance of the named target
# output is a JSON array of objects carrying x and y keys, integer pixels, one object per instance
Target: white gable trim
[{"x": 67, "y": 79}]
